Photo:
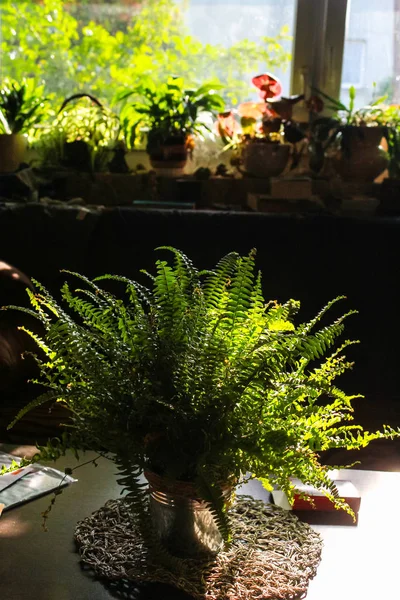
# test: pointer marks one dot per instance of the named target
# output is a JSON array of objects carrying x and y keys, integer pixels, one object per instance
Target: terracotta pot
[
  {"x": 182, "y": 521},
  {"x": 12, "y": 151},
  {"x": 265, "y": 159},
  {"x": 169, "y": 159},
  {"x": 360, "y": 156}
]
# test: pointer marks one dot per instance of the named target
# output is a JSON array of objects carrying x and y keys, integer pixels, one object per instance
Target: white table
[{"x": 358, "y": 563}]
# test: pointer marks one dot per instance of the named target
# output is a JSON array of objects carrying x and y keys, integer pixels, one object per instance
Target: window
[
  {"x": 101, "y": 45},
  {"x": 353, "y": 63},
  {"x": 372, "y": 50},
  {"x": 262, "y": 23}
]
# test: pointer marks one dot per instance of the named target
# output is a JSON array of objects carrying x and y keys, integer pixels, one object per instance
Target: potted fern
[{"x": 199, "y": 383}]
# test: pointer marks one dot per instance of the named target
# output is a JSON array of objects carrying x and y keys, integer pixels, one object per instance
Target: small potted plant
[
  {"x": 168, "y": 117},
  {"x": 21, "y": 109},
  {"x": 201, "y": 384},
  {"x": 80, "y": 153},
  {"x": 351, "y": 139},
  {"x": 261, "y": 139},
  {"x": 81, "y": 137}
]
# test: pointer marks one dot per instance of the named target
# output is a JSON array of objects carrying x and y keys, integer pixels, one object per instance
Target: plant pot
[
  {"x": 360, "y": 157},
  {"x": 12, "y": 151},
  {"x": 265, "y": 159},
  {"x": 169, "y": 159},
  {"x": 182, "y": 521}
]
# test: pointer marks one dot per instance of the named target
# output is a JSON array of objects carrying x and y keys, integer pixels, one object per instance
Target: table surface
[{"x": 358, "y": 562}]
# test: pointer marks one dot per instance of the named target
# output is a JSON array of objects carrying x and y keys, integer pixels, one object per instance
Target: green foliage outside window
[{"x": 53, "y": 41}]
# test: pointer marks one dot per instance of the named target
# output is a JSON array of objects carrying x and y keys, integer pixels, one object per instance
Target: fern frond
[
  {"x": 218, "y": 280},
  {"x": 240, "y": 291},
  {"x": 42, "y": 399},
  {"x": 216, "y": 499},
  {"x": 36, "y": 315},
  {"x": 39, "y": 341},
  {"x": 307, "y": 327},
  {"x": 184, "y": 269},
  {"x": 134, "y": 289}
]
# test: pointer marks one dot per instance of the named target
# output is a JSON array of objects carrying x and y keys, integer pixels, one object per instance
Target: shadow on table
[
  {"x": 124, "y": 589},
  {"x": 128, "y": 590}
]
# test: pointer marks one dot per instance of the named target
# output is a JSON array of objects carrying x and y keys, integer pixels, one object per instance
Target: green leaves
[
  {"x": 21, "y": 106},
  {"x": 198, "y": 378},
  {"x": 167, "y": 110},
  {"x": 75, "y": 54}
]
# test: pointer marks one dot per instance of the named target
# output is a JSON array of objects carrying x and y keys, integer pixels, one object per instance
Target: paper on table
[
  {"x": 37, "y": 482},
  {"x": 10, "y": 478}
]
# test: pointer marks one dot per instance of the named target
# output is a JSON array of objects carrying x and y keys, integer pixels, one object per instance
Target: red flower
[
  {"x": 251, "y": 110},
  {"x": 270, "y": 87}
]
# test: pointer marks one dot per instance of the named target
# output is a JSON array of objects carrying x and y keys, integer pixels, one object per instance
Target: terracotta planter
[
  {"x": 265, "y": 159},
  {"x": 360, "y": 157},
  {"x": 169, "y": 159},
  {"x": 182, "y": 521},
  {"x": 12, "y": 151}
]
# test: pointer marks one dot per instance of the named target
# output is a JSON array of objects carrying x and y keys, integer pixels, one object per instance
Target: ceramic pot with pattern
[
  {"x": 358, "y": 155},
  {"x": 264, "y": 159},
  {"x": 168, "y": 156}
]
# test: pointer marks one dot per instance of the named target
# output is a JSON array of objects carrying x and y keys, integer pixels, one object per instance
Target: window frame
[{"x": 318, "y": 48}]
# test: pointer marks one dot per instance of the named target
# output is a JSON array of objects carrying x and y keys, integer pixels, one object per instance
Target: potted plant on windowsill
[
  {"x": 81, "y": 138},
  {"x": 201, "y": 384},
  {"x": 350, "y": 139},
  {"x": 266, "y": 134},
  {"x": 21, "y": 109},
  {"x": 168, "y": 117},
  {"x": 80, "y": 155}
]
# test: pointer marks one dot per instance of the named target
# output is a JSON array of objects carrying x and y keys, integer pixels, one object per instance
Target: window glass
[
  {"x": 371, "y": 47},
  {"x": 353, "y": 64},
  {"x": 256, "y": 35},
  {"x": 100, "y": 46}
]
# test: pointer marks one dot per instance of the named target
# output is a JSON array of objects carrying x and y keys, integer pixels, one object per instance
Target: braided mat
[{"x": 273, "y": 556}]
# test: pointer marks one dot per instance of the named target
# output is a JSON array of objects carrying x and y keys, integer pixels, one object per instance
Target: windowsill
[{"x": 144, "y": 190}]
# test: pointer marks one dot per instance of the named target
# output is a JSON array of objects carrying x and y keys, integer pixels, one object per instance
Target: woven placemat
[{"x": 273, "y": 556}]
